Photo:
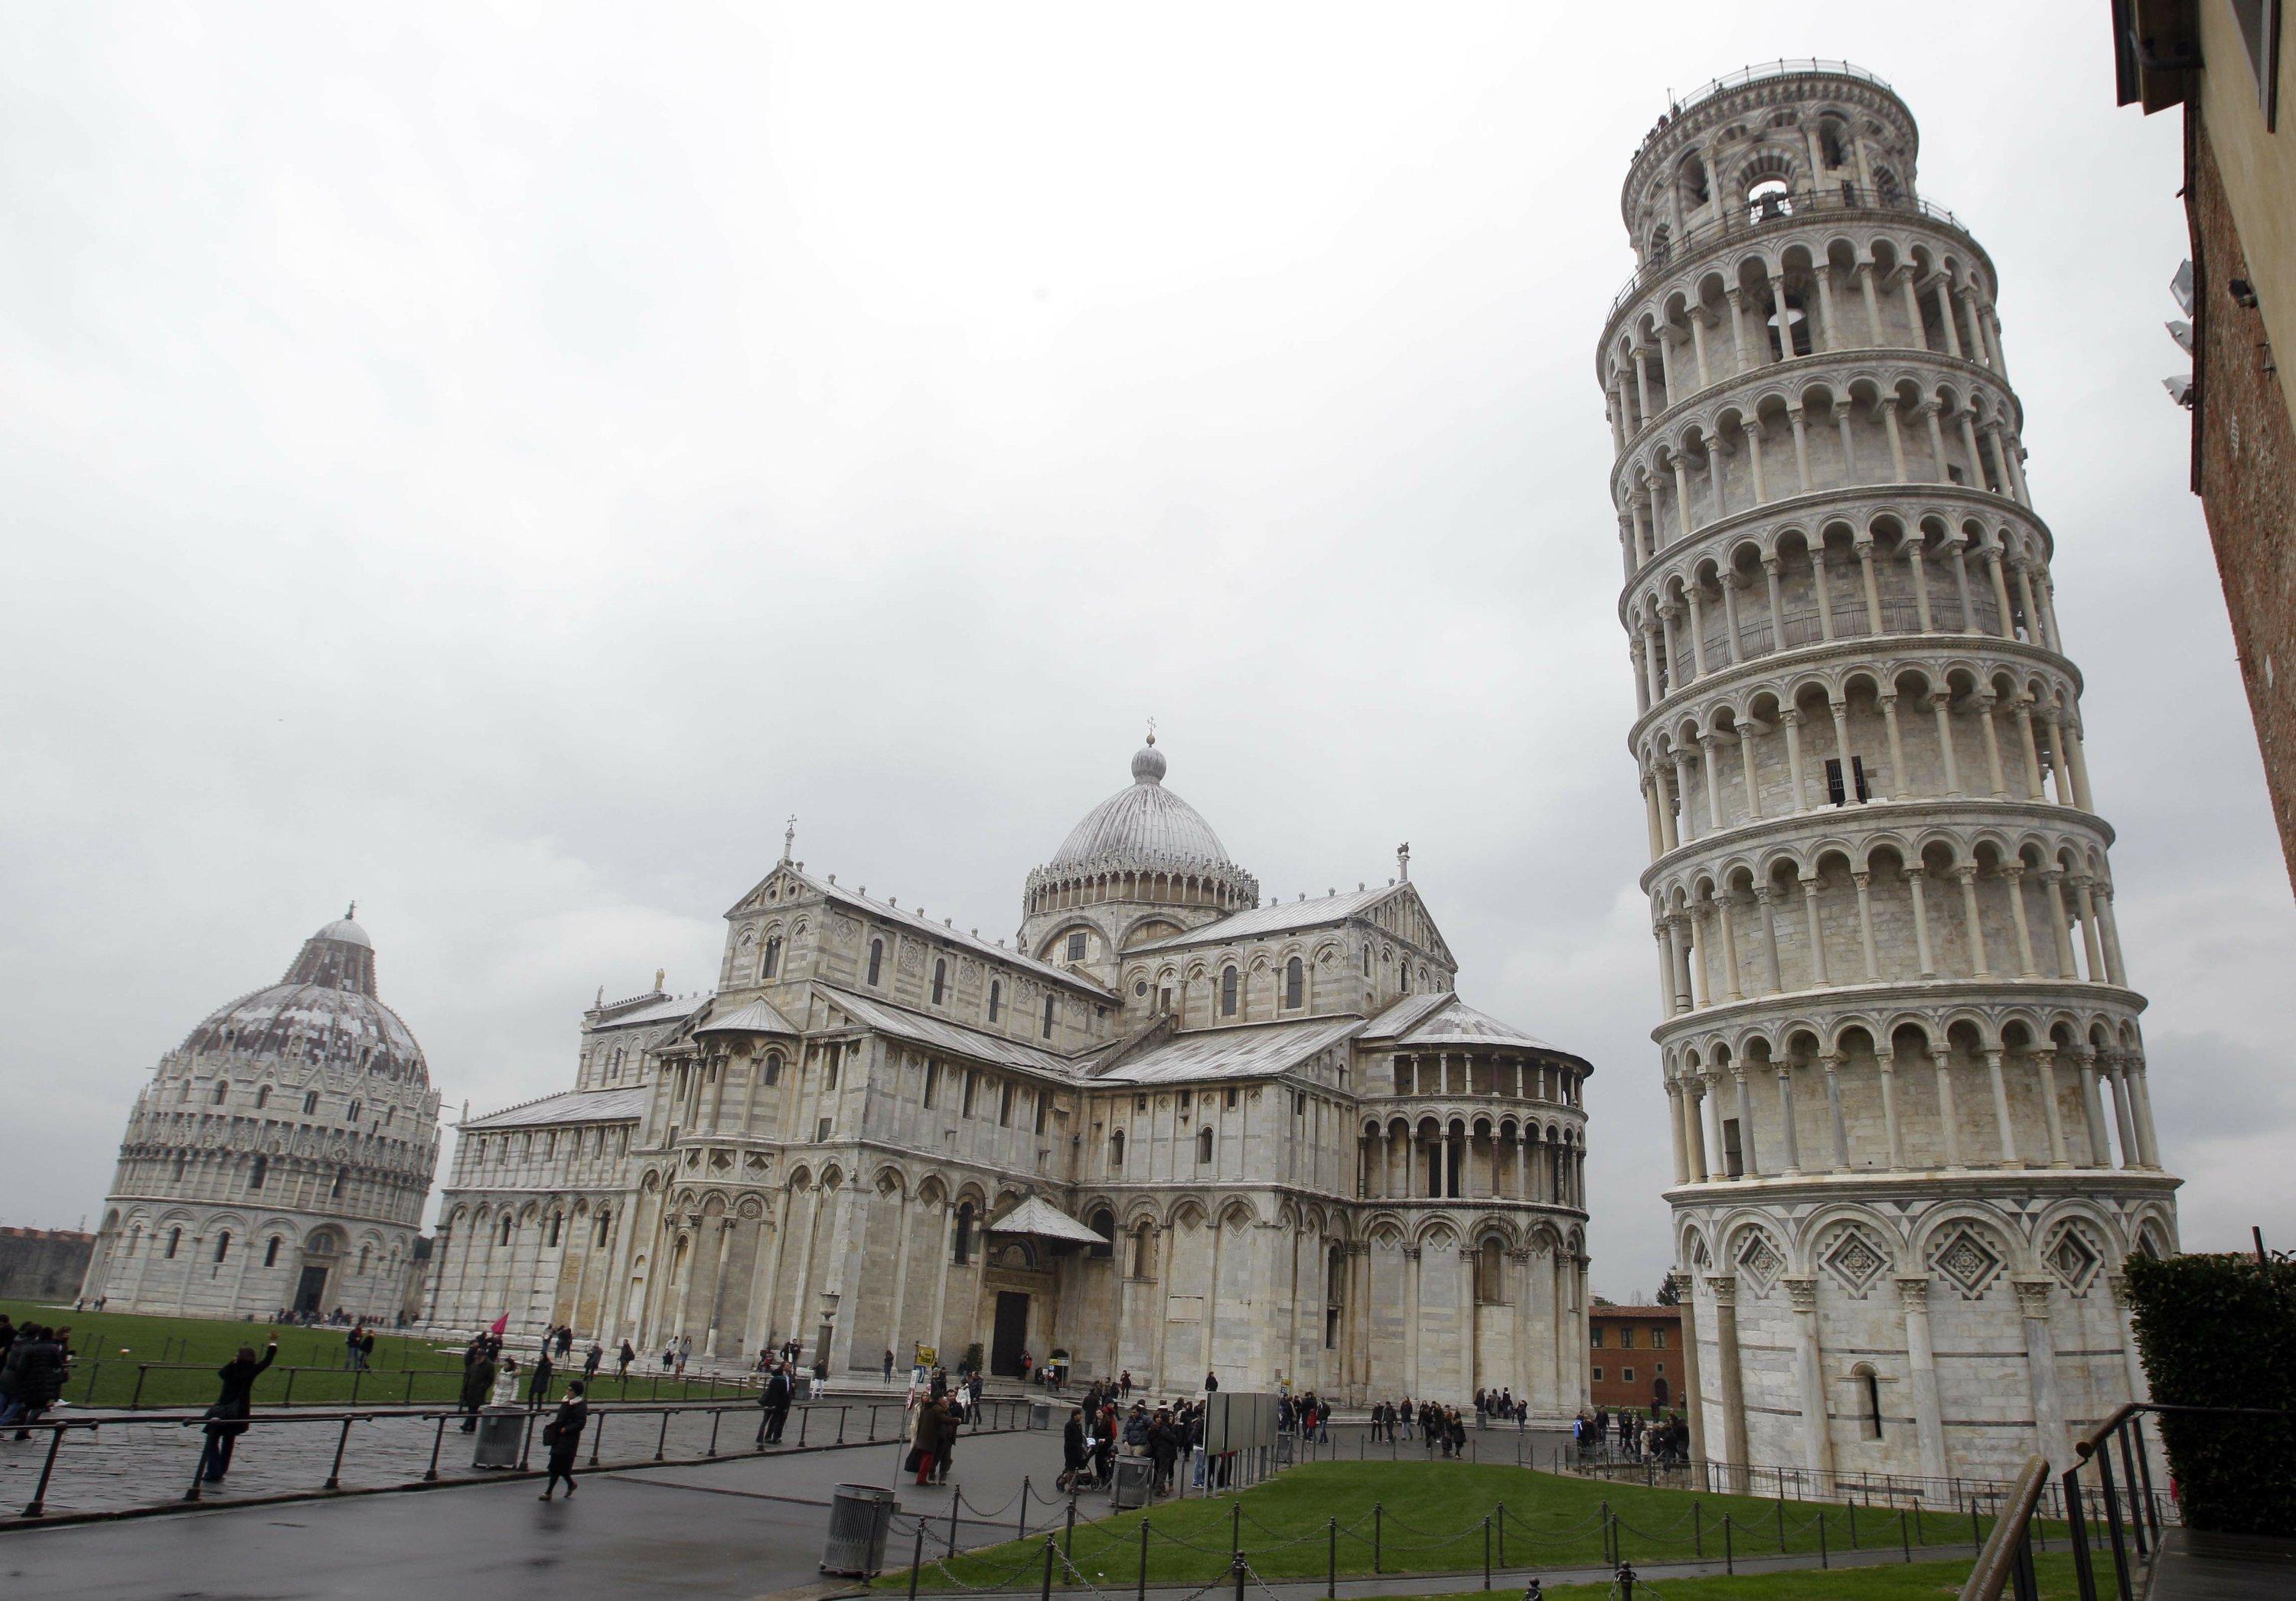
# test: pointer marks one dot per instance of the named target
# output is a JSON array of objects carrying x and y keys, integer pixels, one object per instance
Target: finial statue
[
  {"x": 660, "y": 974},
  {"x": 352, "y": 914},
  {"x": 1403, "y": 861},
  {"x": 1152, "y": 730},
  {"x": 788, "y": 838}
]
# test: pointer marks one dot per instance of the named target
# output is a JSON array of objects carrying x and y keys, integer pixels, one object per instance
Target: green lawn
[
  {"x": 1432, "y": 1517},
  {"x": 178, "y": 1356}
]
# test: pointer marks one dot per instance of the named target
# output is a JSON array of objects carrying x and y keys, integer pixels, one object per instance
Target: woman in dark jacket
[
  {"x": 477, "y": 1385},
  {"x": 564, "y": 1435},
  {"x": 1072, "y": 1451},
  {"x": 227, "y": 1419}
]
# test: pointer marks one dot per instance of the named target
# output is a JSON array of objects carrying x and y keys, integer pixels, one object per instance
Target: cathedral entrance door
[
  {"x": 1011, "y": 1336},
  {"x": 310, "y": 1289}
]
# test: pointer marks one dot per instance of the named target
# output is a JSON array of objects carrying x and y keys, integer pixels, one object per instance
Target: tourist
[
  {"x": 668, "y": 1355},
  {"x": 33, "y": 1376},
  {"x": 1455, "y": 1432},
  {"x": 505, "y": 1391},
  {"x": 1211, "y": 1383},
  {"x": 7, "y": 1336},
  {"x": 685, "y": 1353},
  {"x": 1403, "y": 1417},
  {"x": 924, "y": 1440},
  {"x": 1163, "y": 1449},
  {"x": 227, "y": 1418},
  {"x": 1124, "y": 1385},
  {"x": 1104, "y": 1443},
  {"x": 774, "y": 1400},
  {"x": 565, "y": 1344},
  {"x": 597, "y": 1354},
  {"x": 366, "y": 1350},
  {"x": 1072, "y": 1452},
  {"x": 537, "y": 1387},
  {"x": 478, "y": 1382},
  {"x": 622, "y": 1361},
  {"x": 564, "y": 1435},
  {"x": 888, "y": 1364},
  {"x": 352, "y": 1347}
]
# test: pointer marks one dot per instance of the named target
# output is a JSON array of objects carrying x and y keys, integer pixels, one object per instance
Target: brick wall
[
  {"x": 1630, "y": 1341},
  {"x": 43, "y": 1264},
  {"x": 2245, "y": 468}
]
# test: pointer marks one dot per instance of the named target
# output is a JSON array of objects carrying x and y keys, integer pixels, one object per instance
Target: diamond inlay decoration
[
  {"x": 1969, "y": 1263},
  {"x": 2074, "y": 1257},
  {"x": 1855, "y": 1261},
  {"x": 1759, "y": 1260}
]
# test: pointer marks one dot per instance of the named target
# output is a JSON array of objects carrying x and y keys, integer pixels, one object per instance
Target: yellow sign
[{"x": 928, "y": 1356}]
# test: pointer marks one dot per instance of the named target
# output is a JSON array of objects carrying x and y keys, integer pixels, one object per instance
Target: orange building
[{"x": 1634, "y": 1355}]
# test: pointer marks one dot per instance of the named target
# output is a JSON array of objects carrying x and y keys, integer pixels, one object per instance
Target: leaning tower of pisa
[{"x": 1912, "y": 1141}]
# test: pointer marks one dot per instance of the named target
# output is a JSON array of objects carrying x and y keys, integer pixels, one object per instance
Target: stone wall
[{"x": 43, "y": 1264}]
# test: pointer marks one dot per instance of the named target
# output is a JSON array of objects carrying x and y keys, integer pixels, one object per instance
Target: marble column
[
  {"x": 2050, "y": 1439},
  {"x": 1920, "y": 1361},
  {"x": 1809, "y": 1375},
  {"x": 1724, "y": 1287}
]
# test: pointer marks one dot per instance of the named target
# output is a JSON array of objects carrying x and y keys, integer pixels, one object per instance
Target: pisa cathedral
[
  {"x": 1893, "y": 1004},
  {"x": 1176, "y": 1128},
  {"x": 280, "y": 1157}
]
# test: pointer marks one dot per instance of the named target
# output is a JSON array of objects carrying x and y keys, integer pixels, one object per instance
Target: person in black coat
[
  {"x": 774, "y": 1400},
  {"x": 1072, "y": 1451},
  {"x": 564, "y": 1435},
  {"x": 226, "y": 1419},
  {"x": 537, "y": 1387},
  {"x": 477, "y": 1385}
]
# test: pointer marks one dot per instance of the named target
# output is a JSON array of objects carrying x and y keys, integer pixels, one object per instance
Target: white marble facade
[
  {"x": 1893, "y": 1001},
  {"x": 1172, "y": 1129},
  {"x": 281, "y": 1156}
]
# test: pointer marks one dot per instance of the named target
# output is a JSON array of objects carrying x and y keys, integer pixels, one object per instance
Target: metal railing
[
  {"x": 833, "y": 1422},
  {"x": 2006, "y": 1557},
  {"x": 2132, "y": 1511},
  {"x": 164, "y": 1384},
  {"x": 1732, "y": 220}
]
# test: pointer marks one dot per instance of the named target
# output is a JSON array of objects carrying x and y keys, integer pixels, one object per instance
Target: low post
[
  {"x": 804, "y": 1420},
  {"x": 1047, "y": 1593},
  {"x": 1235, "y": 1566},
  {"x": 1142, "y": 1592},
  {"x": 1236, "y": 1527},
  {"x": 39, "y": 1504},
  {"x": 1821, "y": 1561},
  {"x": 192, "y": 1494},
  {"x": 955, "y": 1500},
  {"x": 1905, "y": 1541},
  {"x": 1068, "y": 1535},
  {"x": 1501, "y": 1534},
  {"x": 288, "y": 1399},
  {"x": 1697, "y": 1530},
  {"x": 917, "y": 1560},
  {"x": 1729, "y": 1550},
  {"x": 717, "y": 1417},
  {"x": 526, "y": 1441},
  {"x": 437, "y": 1439},
  {"x": 1487, "y": 1553},
  {"x": 1332, "y": 1562},
  {"x": 1782, "y": 1514},
  {"x": 1021, "y": 1518},
  {"x": 335, "y": 1472},
  {"x": 1976, "y": 1532},
  {"x": 1378, "y": 1517},
  {"x": 136, "y": 1400},
  {"x": 840, "y": 1423},
  {"x": 1853, "y": 1525},
  {"x": 597, "y": 1435},
  {"x": 661, "y": 1441}
]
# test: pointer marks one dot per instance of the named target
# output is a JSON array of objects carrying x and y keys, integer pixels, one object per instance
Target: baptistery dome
[{"x": 281, "y": 1156}]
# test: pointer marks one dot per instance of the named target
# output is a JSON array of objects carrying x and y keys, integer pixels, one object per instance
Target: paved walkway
[{"x": 2193, "y": 1566}]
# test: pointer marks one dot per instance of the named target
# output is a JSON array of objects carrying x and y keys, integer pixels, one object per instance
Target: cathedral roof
[
  {"x": 1277, "y": 918},
  {"x": 1254, "y": 1051},
  {"x": 1426, "y": 1021},
  {"x": 1039, "y": 1217},
  {"x": 1142, "y": 824},
  {"x": 757, "y": 1017},
  {"x": 625, "y": 1104},
  {"x": 946, "y": 931},
  {"x": 979, "y": 1044},
  {"x": 325, "y": 1010}
]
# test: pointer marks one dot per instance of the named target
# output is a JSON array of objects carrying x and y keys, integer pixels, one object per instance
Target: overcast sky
[{"x": 498, "y": 463}]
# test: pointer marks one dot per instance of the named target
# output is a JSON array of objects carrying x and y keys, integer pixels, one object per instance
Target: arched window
[
  {"x": 175, "y": 1239},
  {"x": 876, "y": 960},
  {"x": 605, "y": 1225},
  {"x": 363, "y": 1255},
  {"x": 223, "y": 1245},
  {"x": 1295, "y": 982},
  {"x": 508, "y": 1224},
  {"x": 961, "y": 1248},
  {"x": 222, "y": 1089},
  {"x": 770, "y": 962},
  {"x": 1767, "y": 199},
  {"x": 555, "y": 1220},
  {"x": 342, "y": 1175},
  {"x": 352, "y": 1116},
  {"x": 996, "y": 998},
  {"x": 1144, "y": 1252},
  {"x": 262, "y": 1096},
  {"x": 1366, "y": 961},
  {"x": 1102, "y": 1223},
  {"x": 1407, "y": 977},
  {"x": 1203, "y": 1145},
  {"x": 180, "y": 1162},
  {"x": 1230, "y": 983},
  {"x": 1869, "y": 1400},
  {"x": 1335, "y": 1267},
  {"x": 310, "y": 1102},
  {"x": 1005, "y": 1106},
  {"x": 1116, "y": 1151},
  {"x": 1051, "y": 1003},
  {"x": 258, "y": 1171},
  {"x": 773, "y": 1067},
  {"x": 1490, "y": 1282},
  {"x": 271, "y": 1251},
  {"x": 940, "y": 980}
]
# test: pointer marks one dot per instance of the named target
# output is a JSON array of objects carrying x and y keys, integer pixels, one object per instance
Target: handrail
[
  {"x": 2008, "y": 1552},
  {"x": 1731, "y": 220}
]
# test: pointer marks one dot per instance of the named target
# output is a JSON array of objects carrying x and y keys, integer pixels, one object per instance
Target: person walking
[
  {"x": 352, "y": 1347},
  {"x": 685, "y": 1353},
  {"x": 565, "y": 1344},
  {"x": 34, "y": 1377},
  {"x": 888, "y": 1364},
  {"x": 564, "y": 1435},
  {"x": 622, "y": 1362},
  {"x": 227, "y": 1417},
  {"x": 925, "y": 1440},
  {"x": 597, "y": 1354},
  {"x": 537, "y": 1386},
  {"x": 1073, "y": 1438},
  {"x": 1163, "y": 1449}
]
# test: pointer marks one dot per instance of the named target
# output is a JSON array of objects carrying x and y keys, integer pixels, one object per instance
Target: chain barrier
[
  {"x": 940, "y": 1564},
  {"x": 1062, "y": 1557}
]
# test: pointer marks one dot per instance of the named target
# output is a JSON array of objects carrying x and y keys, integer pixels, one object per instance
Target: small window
[
  {"x": 257, "y": 1172},
  {"x": 1143, "y": 1253},
  {"x": 773, "y": 1067},
  {"x": 2260, "y": 25},
  {"x": 364, "y": 1252},
  {"x": 271, "y": 1251},
  {"x": 1299, "y": 1103},
  {"x": 1044, "y": 1109},
  {"x": 1598, "y": 1375},
  {"x": 829, "y": 1069},
  {"x": 1627, "y": 1340},
  {"x": 1230, "y": 980},
  {"x": 1139, "y": 1103},
  {"x": 1076, "y": 946},
  {"x": 555, "y": 1220},
  {"x": 1295, "y": 982},
  {"x": 932, "y": 1083},
  {"x": 1733, "y": 1158},
  {"x": 507, "y": 1226},
  {"x": 175, "y": 1239},
  {"x": 180, "y": 1164},
  {"x": 770, "y": 964},
  {"x": 262, "y": 1096},
  {"x": 1102, "y": 1223},
  {"x": 310, "y": 1102},
  {"x": 223, "y": 1245},
  {"x": 972, "y": 1083},
  {"x": 996, "y": 998},
  {"x": 1005, "y": 1107},
  {"x": 1626, "y": 1375},
  {"x": 1594, "y": 1336},
  {"x": 353, "y": 1115},
  {"x": 821, "y": 1132},
  {"x": 1658, "y": 1342},
  {"x": 1834, "y": 792},
  {"x": 1869, "y": 1400},
  {"x": 222, "y": 1089},
  {"x": 604, "y": 1229},
  {"x": 941, "y": 981},
  {"x": 1051, "y": 1003},
  {"x": 962, "y": 1245},
  {"x": 1234, "y": 1094},
  {"x": 1116, "y": 1150},
  {"x": 876, "y": 960},
  {"x": 1203, "y": 1145}
]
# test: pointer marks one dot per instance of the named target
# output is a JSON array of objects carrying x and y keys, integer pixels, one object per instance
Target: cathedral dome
[
  {"x": 1144, "y": 823},
  {"x": 326, "y": 1011}
]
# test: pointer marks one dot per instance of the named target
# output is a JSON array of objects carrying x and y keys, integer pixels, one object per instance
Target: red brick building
[
  {"x": 1634, "y": 1355},
  {"x": 2229, "y": 66}
]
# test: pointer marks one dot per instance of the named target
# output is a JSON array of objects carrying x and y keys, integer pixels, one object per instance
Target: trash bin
[
  {"x": 859, "y": 1517},
  {"x": 502, "y": 1435},
  {"x": 1040, "y": 1414},
  {"x": 1135, "y": 1477}
]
